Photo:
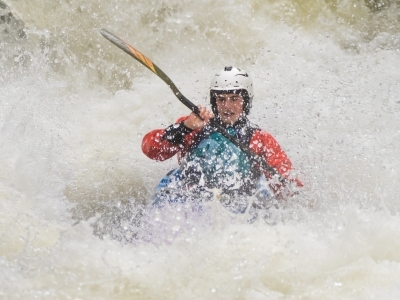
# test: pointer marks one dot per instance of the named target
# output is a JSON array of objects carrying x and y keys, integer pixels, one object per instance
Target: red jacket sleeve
[
  {"x": 154, "y": 147},
  {"x": 264, "y": 144}
]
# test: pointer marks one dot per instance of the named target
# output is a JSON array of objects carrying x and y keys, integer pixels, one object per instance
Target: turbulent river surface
[{"x": 74, "y": 183}]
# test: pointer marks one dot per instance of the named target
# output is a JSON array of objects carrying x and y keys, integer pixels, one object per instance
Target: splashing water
[{"x": 74, "y": 184}]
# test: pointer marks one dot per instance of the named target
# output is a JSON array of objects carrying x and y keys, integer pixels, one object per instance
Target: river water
[{"x": 74, "y": 182}]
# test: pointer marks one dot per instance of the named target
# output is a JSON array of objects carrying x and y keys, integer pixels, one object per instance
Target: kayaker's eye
[{"x": 224, "y": 98}]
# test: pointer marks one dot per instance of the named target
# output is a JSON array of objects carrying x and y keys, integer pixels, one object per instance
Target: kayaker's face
[{"x": 230, "y": 107}]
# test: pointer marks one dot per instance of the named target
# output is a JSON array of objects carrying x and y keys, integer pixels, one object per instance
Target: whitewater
[{"x": 74, "y": 184}]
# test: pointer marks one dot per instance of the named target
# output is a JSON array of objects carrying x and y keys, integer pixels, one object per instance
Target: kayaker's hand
[{"x": 194, "y": 122}]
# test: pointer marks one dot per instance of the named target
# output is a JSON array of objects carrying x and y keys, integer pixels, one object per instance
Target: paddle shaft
[{"x": 156, "y": 70}]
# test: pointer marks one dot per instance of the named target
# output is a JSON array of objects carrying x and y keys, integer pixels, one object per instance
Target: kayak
[{"x": 171, "y": 189}]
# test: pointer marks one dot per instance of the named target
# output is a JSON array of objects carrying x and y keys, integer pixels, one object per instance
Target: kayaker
[{"x": 209, "y": 161}]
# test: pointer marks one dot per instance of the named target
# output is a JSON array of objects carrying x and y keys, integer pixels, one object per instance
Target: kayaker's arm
[
  {"x": 264, "y": 144},
  {"x": 162, "y": 144},
  {"x": 175, "y": 133},
  {"x": 157, "y": 148}
]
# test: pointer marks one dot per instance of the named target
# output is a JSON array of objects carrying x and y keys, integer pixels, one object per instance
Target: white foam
[{"x": 72, "y": 167}]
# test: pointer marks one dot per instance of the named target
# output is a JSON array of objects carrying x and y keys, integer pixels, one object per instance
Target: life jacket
[{"x": 212, "y": 161}]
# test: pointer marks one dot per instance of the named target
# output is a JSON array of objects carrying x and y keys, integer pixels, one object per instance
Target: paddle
[{"x": 156, "y": 70}]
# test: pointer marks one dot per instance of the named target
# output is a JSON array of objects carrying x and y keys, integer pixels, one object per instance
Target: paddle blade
[{"x": 136, "y": 54}]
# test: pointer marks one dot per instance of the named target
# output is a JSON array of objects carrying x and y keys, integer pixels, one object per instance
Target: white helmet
[{"x": 232, "y": 79}]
